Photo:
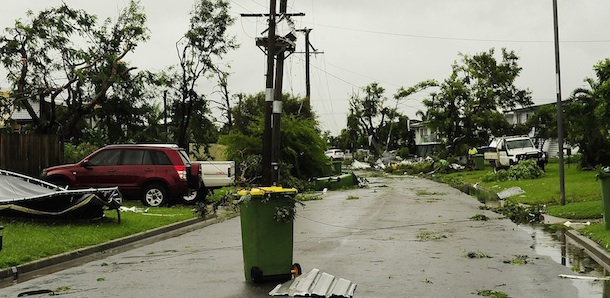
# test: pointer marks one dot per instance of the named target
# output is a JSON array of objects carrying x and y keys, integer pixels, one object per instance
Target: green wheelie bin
[
  {"x": 267, "y": 222},
  {"x": 604, "y": 181},
  {"x": 479, "y": 162}
]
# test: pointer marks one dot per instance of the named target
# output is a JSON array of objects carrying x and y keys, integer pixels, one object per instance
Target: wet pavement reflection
[{"x": 555, "y": 244}]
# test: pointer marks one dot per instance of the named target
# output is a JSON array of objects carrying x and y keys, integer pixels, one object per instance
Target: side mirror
[{"x": 85, "y": 163}]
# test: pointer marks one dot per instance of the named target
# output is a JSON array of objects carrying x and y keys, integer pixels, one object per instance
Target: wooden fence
[{"x": 30, "y": 153}]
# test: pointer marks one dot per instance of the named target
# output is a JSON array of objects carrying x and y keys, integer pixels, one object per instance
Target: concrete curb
[
  {"x": 84, "y": 255},
  {"x": 592, "y": 248}
]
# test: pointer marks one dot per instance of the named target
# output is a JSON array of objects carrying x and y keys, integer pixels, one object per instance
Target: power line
[{"x": 460, "y": 38}]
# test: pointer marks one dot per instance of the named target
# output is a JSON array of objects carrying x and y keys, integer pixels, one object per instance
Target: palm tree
[{"x": 588, "y": 117}]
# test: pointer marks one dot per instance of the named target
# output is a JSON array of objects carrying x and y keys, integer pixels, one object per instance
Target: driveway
[{"x": 400, "y": 237}]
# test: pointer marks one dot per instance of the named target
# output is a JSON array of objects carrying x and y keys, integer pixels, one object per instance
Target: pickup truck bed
[{"x": 217, "y": 174}]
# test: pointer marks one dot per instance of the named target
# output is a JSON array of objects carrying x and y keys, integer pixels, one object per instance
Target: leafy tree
[
  {"x": 225, "y": 102},
  {"x": 588, "y": 117},
  {"x": 129, "y": 113},
  {"x": 202, "y": 46},
  {"x": 365, "y": 113},
  {"x": 60, "y": 54},
  {"x": 371, "y": 123},
  {"x": 544, "y": 122},
  {"x": 302, "y": 150},
  {"x": 399, "y": 134},
  {"x": 250, "y": 107},
  {"x": 466, "y": 109},
  {"x": 352, "y": 137}
]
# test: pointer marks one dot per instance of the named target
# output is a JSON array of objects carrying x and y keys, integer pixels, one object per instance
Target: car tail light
[{"x": 181, "y": 171}]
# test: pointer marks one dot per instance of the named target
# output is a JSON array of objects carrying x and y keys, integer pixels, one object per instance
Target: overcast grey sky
[{"x": 393, "y": 42}]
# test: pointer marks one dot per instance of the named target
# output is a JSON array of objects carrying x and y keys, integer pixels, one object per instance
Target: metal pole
[{"x": 562, "y": 194}]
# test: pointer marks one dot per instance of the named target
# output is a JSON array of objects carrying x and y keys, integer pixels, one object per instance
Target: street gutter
[{"x": 592, "y": 248}]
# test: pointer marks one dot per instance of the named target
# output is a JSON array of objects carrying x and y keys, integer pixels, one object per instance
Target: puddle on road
[{"x": 554, "y": 244}]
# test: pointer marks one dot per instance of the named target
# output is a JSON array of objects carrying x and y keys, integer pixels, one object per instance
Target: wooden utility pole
[
  {"x": 307, "y": 77},
  {"x": 269, "y": 94},
  {"x": 165, "y": 116},
  {"x": 276, "y": 46},
  {"x": 276, "y": 115},
  {"x": 307, "y": 67}
]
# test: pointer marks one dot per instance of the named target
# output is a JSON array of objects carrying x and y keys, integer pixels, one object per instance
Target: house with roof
[
  {"x": 13, "y": 115},
  {"x": 426, "y": 139}
]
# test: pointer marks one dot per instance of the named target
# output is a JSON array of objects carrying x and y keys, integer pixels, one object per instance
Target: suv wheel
[
  {"x": 195, "y": 196},
  {"x": 154, "y": 195}
]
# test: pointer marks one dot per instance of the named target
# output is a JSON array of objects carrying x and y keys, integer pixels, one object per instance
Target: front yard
[
  {"x": 27, "y": 240},
  {"x": 582, "y": 192}
]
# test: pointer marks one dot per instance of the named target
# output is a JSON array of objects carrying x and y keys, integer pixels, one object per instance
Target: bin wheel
[
  {"x": 296, "y": 270},
  {"x": 256, "y": 274}
]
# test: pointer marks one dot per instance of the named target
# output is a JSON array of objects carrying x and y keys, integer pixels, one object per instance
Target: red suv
[{"x": 155, "y": 173}]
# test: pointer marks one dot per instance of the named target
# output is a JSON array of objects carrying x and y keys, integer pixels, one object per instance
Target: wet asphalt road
[{"x": 400, "y": 237}]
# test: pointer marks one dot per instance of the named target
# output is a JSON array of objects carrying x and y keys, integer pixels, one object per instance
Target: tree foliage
[
  {"x": 302, "y": 146},
  {"x": 466, "y": 111},
  {"x": 544, "y": 123},
  {"x": 372, "y": 121},
  {"x": 61, "y": 56},
  {"x": 587, "y": 120},
  {"x": 202, "y": 46}
]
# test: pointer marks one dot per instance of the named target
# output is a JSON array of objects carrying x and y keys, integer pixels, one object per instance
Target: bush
[
  {"x": 403, "y": 152},
  {"x": 527, "y": 169},
  {"x": 521, "y": 213},
  {"x": 74, "y": 154},
  {"x": 412, "y": 169}
]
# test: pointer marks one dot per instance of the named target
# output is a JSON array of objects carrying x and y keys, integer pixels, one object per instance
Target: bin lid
[{"x": 259, "y": 191}]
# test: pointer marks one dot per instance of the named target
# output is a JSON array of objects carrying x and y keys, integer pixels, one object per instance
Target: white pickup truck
[
  {"x": 217, "y": 174},
  {"x": 506, "y": 151},
  {"x": 214, "y": 174}
]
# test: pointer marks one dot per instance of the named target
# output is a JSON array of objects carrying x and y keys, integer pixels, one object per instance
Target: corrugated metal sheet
[{"x": 315, "y": 284}]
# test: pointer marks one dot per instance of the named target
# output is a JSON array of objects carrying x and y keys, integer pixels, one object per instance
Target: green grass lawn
[
  {"x": 27, "y": 240},
  {"x": 582, "y": 189},
  {"x": 580, "y": 186}
]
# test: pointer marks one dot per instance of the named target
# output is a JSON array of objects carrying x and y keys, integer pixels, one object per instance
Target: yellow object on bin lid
[{"x": 259, "y": 191}]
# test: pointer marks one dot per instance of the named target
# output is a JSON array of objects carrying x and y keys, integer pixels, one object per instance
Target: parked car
[
  {"x": 504, "y": 152},
  {"x": 157, "y": 174},
  {"x": 335, "y": 153}
]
